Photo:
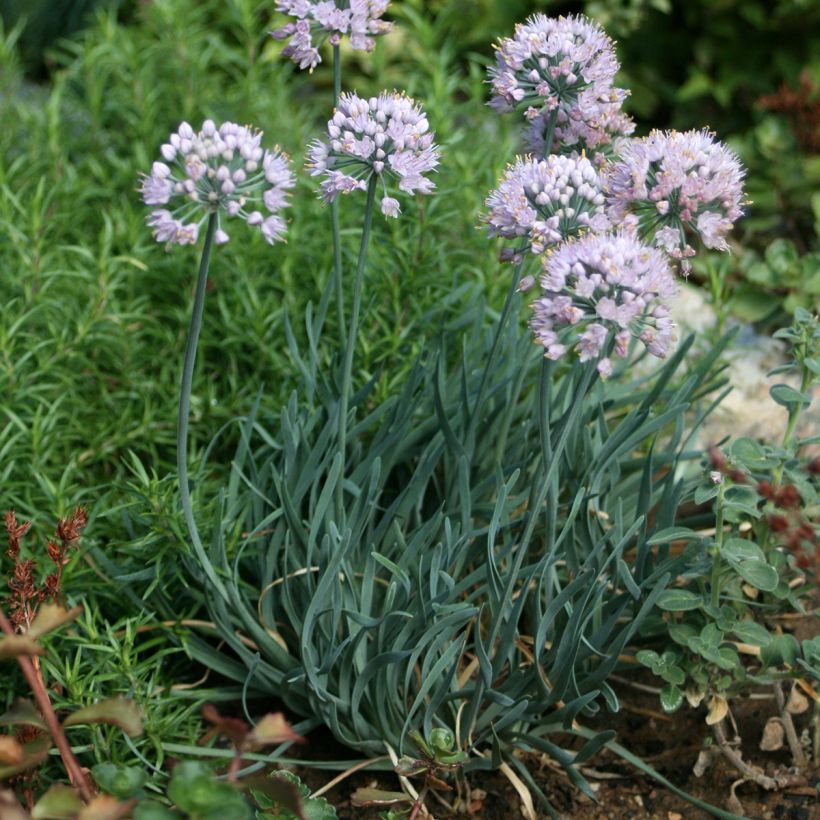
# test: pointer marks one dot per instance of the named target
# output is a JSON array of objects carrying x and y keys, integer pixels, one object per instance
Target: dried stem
[
  {"x": 419, "y": 803},
  {"x": 233, "y": 769},
  {"x": 795, "y": 746},
  {"x": 75, "y": 772},
  {"x": 749, "y": 771}
]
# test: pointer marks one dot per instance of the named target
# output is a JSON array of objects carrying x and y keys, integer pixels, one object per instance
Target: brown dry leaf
[
  {"x": 50, "y": 617},
  {"x": 773, "y": 735},
  {"x": 10, "y": 809},
  {"x": 13, "y": 646},
  {"x": 718, "y": 709},
  {"x": 11, "y": 752},
  {"x": 273, "y": 729},
  {"x": 120, "y": 712},
  {"x": 797, "y": 702},
  {"x": 749, "y": 591},
  {"x": 694, "y": 697},
  {"x": 105, "y": 807}
]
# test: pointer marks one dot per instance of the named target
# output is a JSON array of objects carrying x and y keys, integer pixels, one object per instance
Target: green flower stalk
[
  {"x": 216, "y": 173},
  {"x": 350, "y": 345}
]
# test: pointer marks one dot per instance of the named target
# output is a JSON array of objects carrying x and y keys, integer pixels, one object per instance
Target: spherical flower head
[
  {"x": 223, "y": 171},
  {"x": 564, "y": 64},
  {"x": 546, "y": 201},
  {"x": 592, "y": 135},
  {"x": 316, "y": 21},
  {"x": 386, "y": 137},
  {"x": 597, "y": 292},
  {"x": 677, "y": 187}
]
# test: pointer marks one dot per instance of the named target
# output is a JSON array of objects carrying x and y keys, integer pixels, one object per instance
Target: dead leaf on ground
[
  {"x": 11, "y": 752},
  {"x": 797, "y": 702},
  {"x": 718, "y": 709},
  {"x": 773, "y": 735}
]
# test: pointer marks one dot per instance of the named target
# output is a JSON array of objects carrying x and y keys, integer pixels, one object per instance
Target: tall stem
[
  {"x": 337, "y": 74},
  {"x": 347, "y": 372},
  {"x": 334, "y": 212},
  {"x": 550, "y": 131},
  {"x": 718, "y": 547},
  {"x": 72, "y": 766},
  {"x": 185, "y": 402}
]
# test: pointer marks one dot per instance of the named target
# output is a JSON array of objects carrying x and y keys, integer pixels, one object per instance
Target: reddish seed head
[
  {"x": 717, "y": 459},
  {"x": 778, "y": 523},
  {"x": 788, "y": 497},
  {"x": 69, "y": 529},
  {"x": 765, "y": 489}
]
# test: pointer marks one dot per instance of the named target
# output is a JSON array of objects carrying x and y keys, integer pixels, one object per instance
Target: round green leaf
[
  {"x": 679, "y": 600},
  {"x": 751, "y": 632},
  {"x": 757, "y": 573},
  {"x": 671, "y": 698},
  {"x": 785, "y": 395}
]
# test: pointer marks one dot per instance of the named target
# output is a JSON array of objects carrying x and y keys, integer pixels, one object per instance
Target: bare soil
[{"x": 671, "y": 744}]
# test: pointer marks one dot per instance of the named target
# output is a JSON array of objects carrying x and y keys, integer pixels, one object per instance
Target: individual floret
[
  {"x": 600, "y": 290},
  {"x": 386, "y": 137},
  {"x": 221, "y": 170},
  {"x": 320, "y": 20},
  {"x": 676, "y": 187}
]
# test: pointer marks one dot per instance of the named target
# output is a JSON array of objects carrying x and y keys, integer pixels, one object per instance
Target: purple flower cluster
[
  {"x": 221, "y": 170},
  {"x": 675, "y": 186},
  {"x": 564, "y": 67},
  {"x": 594, "y": 137},
  {"x": 546, "y": 201},
  {"x": 387, "y": 137},
  {"x": 320, "y": 20},
  {"x": 604, "y": 287}
]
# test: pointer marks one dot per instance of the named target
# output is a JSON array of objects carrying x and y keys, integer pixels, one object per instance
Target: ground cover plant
[{"x": 427, "y": 534}]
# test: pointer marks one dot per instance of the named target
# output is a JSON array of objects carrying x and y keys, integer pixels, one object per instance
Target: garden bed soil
[{"x": 669, "y": 743}]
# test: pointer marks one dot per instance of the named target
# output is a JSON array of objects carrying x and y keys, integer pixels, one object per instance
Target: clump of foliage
[
  {"x": 376, "y": 565},
  {"x": 425, "y": 534}
]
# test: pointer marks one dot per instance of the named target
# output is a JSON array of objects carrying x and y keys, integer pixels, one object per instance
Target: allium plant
[
  {"x": 211, "y": 175},
  {"x": 598, "y": 292},
  {"x": 318, "y": 21},
  {"x": 676, "y": 187},
  {"x": 559, "y": 72},
  {"x": 216, "y": 171},
  {"x": 546, "y": 201},
  {"x": 385, "y": 139},
  {"x": 403, "y": 581},
  {"x": 371, "y": 143}
]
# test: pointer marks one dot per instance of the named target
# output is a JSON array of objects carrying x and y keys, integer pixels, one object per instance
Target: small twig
[
  {"x": 751, "y": 772},
  {"x": 345, "y": 774},
  {"x": 417, "y": 805},
  {"x": 73, "y": 769},
  {"x": 641, "y": 687},
  {"x": 796, "y": 748},
  {"x": 747, "y": 770},
  {"x": 236, "y": 765}
]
